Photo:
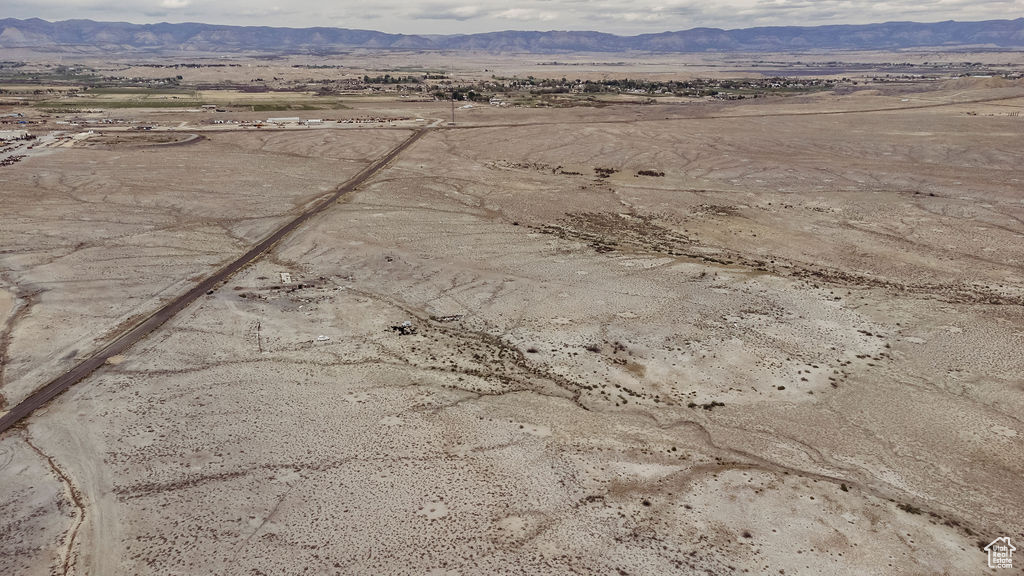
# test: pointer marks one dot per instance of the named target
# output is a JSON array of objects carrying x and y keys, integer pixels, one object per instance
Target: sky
[{"x": 465, "y": 17}]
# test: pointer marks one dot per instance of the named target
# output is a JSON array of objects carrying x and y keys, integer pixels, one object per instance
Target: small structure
[
  {"x": 287, "y": 120},
  {"x": 209, "y": 107},
  {"x": 404, "y": 329},
  {"x": 13, "y": 134},
  {"x": 314, "y": 122}
]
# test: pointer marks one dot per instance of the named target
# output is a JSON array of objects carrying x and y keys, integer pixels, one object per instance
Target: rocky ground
[{"x": 776, "y": 337}]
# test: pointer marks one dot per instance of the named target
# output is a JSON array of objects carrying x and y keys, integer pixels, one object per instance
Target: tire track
[
  {"x": 126, "y": 340},
  {"x": 68, "y": 557}
]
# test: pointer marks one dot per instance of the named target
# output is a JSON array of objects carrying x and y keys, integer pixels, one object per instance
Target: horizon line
[{"x": 434, "y": 35}]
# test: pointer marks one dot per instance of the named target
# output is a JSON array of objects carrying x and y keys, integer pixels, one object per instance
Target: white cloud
[
  {"x": 447, "y": 12},
  {"x": 655, "y": 16},
  {"x": 469, "y": 16},
  {"x": 527, "y": 14}
]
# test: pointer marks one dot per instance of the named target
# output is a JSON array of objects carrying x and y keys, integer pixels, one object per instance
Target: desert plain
[{"x": 778, "y": 335}]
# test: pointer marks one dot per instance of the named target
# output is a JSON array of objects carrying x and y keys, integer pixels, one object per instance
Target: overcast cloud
[{"x": 461, "y": 17}]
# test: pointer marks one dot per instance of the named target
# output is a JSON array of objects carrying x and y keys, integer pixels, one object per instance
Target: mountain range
[{"x": 121, "y": 36}]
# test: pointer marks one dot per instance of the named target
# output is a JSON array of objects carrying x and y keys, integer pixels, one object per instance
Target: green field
[{"x": 143, "y": 92}]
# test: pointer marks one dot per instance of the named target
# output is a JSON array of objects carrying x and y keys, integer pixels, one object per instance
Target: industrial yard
[{"x": 668, "y": 333}]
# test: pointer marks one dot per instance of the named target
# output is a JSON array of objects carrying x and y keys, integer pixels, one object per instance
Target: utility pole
[{"x": 451, "y": 79}]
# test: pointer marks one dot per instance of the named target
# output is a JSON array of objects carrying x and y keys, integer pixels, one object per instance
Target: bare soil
[{"x": 753, "y": 337}]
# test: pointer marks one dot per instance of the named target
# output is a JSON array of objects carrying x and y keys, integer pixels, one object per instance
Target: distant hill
[{"x": 88, "y": 35}]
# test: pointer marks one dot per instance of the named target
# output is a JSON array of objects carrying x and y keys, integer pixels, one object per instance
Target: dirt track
[
  {"x": 785, "y": 338},
  {"x": 139, "y": 331}
]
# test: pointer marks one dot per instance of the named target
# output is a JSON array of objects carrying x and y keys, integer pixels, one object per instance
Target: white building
[{"x": 289, "y": 120}]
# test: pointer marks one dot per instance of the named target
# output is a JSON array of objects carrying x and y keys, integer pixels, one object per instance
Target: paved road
[
  {"x": 141, "y": 330},
  {"x": 129, "y": 338}
]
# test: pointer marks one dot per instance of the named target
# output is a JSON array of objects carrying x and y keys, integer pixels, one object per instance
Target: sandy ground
[
  {"x": 95, "y": 237},
  {"x": 790, "y": 346}
]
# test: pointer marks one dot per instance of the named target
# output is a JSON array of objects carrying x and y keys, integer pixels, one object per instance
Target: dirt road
[{"x": 129, "y": 338}]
